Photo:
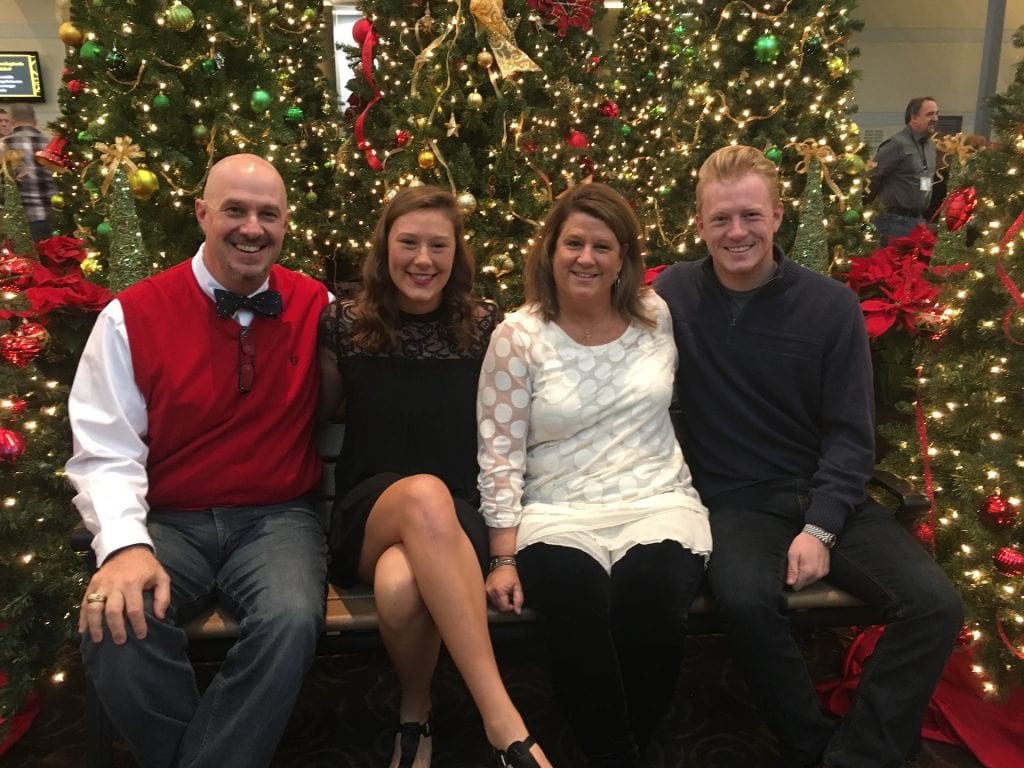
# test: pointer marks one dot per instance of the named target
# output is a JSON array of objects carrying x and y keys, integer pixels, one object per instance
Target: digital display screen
[{"x": 19, "y": 76}]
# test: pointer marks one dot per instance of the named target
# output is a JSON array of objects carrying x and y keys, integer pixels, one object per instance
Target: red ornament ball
[
  {"x": 75, "y": 87},
  {"x": 12, "y": 445},
  {"x": 15, "y": 273},
  {"x": 20, "y": 346},
  {"x": 997, "y": 512},
  {"x": 960, "y": 207},
  {"x": 609, "y": 109},
  {"x": 361, "y": 29},
  {"x": 14, "y": 405},
  {"x": 1009, "y": 561},
  {"x": 925, "y": 533},
  {"x": 402, "y": 138},
  {"x": 529, "y": 146},
  {"x": 577, "y": 140}
]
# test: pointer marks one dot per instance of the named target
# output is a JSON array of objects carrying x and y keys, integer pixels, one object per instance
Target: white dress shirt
[{"x": 109, "y": 423}]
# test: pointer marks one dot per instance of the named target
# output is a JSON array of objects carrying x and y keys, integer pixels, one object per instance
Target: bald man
[{"x": 192, "y": 417}]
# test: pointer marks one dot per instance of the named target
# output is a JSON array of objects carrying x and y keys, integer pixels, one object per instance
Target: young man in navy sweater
[{"x": 775, "y": 388}]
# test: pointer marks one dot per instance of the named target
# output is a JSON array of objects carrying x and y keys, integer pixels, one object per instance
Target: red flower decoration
[
  {"x": 564, "y": 14},
  {"x": 897, "y": 283},
  {"x": 56, "y": 282},
  {"x": 61, "y": 250}
]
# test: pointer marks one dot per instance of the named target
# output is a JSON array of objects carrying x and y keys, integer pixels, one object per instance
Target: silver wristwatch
[{"x": 825, "y": 537}]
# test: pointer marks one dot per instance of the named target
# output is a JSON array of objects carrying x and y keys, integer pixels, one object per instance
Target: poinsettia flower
[
  {"x": 919, "y": 243},
  {"x": 61, "y": 250},
  {"x": 651, "y": 274}
]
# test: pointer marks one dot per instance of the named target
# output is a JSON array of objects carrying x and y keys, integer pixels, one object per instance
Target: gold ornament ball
[
  {"x": 426, "y": 160},
  {"x": 465, "y": 202},
  {"x": 70, "y": 34},
  {"x": 474, "y": 100},
  {"x": 143, "y": 183},
  {"x": 485, "y": 59},
  {"x": 57, "y": 201},
  {"x": 836, "y": 66}
]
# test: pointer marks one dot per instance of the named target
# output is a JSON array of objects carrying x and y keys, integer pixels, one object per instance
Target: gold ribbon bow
[
  {"x": 11, "y": 159},
  {"x": 811, "y": 151},
  {"x": 121, "y": 153},
  {"x": 949, "y": 146},
  {"x": 490, "y": 16}
]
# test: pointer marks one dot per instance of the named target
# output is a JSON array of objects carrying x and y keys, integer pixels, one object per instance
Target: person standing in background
[
  {"x": 904, "y": 170},
  {"x": 34, "y": 181}
]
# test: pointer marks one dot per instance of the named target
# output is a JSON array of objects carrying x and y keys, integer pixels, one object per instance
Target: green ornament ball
[
  {"x": 209, "y": 66},
  {"x": 658, "y": 112},
  {"x": 84, "y": 137},
  {"x": 679, "y": 30},
  {"x": 812, "y": 43},
  {"x": 260, "y": 100},
  {"x": 309, "y": 14},
  {"x": 294, "y": 115},
  {"x": 625, "y": 129},
  {"x": 851, "y": 216},
  {"x": 90, "y": 52},
  {"x": 853, "y": 164},
  {"x": 766, "y": 49},
  {"x": 664, "y": 190},
  {"x": 774, "y": 154},
  {"x": 678, "y": 85},
  {"x": 272, "y": 13},
  {"x": 311, "y": 197},
  {"x": 180, "y": 18},
  {"x": 689, "y": 51},
  {"x": 200, "y": 133},
  {"x": 160, "y": 101},
  {"x": 103, "y": 229}
]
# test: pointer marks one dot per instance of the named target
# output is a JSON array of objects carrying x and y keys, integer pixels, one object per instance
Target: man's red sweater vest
[{"x": 211, "y": 445}]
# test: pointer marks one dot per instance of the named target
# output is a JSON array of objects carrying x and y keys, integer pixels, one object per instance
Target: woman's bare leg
[{"x": 418, "y": 513}]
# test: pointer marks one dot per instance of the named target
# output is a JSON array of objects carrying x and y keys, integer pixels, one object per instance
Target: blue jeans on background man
[
  {"x": 893, "y": 225},
  {"x": 267, "y": 567},
  {"x": 875, "y": 559}
]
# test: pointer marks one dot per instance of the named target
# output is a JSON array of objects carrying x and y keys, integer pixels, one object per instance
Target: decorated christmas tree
[
  {"x": 486, "y": 99},
  {"x": 687, "y": 77},
  {"x": 964, "y": 445},
  {"x": 188, "y": 83},
  {"x": 46, "y": 308}
]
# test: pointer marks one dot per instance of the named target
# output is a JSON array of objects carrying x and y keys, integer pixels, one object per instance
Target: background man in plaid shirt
[{"x": 34, "y": 181}]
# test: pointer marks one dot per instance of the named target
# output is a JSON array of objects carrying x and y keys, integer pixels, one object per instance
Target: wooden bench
[{"x": 351, "y": 615}]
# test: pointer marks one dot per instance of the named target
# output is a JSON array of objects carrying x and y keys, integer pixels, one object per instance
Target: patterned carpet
[{"x": 347, "y": 706}]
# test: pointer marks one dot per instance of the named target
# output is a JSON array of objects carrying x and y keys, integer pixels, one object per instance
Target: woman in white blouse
[{"x": 592, "y": 515}]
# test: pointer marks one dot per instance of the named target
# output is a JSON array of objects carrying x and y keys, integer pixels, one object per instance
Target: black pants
[{"x": 615, "y": 643}]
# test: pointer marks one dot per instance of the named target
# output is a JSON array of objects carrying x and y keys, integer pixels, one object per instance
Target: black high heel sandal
[
  {"x": 409, "y": 741},
  {"x": 516, "y": 755}
]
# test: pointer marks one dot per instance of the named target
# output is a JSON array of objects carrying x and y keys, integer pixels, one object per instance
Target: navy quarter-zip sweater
[{"x": 780, "y": 389}]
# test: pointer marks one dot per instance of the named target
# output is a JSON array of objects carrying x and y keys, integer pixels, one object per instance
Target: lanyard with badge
[{"x": 925, "y": 180}]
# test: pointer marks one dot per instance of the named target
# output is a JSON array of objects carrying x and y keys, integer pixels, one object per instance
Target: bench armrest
[{"x": 910, "y": 503}]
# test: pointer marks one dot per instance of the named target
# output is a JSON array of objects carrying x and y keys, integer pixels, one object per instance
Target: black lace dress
[{"x": 406, "y": 412}]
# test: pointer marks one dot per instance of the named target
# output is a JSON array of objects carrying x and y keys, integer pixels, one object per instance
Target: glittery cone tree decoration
[
  {"x": 127, "y": 259},
  {"x": 810, "y": 245},
  {"x": 15, "y": 222}
]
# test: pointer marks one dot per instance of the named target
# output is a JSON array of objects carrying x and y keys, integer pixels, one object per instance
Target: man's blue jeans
[
  {"x": 892, "y": 225},
  {"x": 266, "y": 566},
  {"x": 875, "y": 559}
]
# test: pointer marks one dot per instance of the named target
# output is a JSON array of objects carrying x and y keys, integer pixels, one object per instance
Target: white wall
[
  {"x": 926, "y": 48},
  {"x": 31, "y": 25}
]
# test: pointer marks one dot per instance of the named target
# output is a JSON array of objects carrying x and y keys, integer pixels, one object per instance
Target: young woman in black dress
[{"x": 404, "y": 356}]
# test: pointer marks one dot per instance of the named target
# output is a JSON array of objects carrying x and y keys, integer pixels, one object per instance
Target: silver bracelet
[{"x": 497, "y": 562}]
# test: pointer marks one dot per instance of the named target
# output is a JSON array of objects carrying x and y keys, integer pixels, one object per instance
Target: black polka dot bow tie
[{"x": 265, "y": 303}]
